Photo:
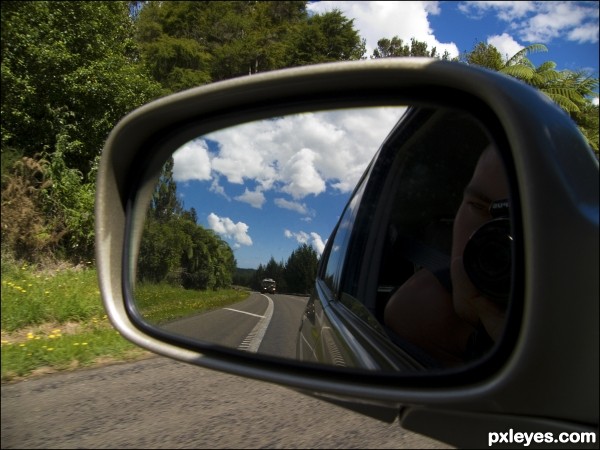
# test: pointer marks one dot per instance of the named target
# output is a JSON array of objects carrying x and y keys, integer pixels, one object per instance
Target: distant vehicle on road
[{"x": 268, "y": 285}]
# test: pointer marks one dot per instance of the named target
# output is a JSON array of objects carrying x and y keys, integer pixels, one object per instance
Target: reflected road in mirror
[{"x": 262, "y": 324}]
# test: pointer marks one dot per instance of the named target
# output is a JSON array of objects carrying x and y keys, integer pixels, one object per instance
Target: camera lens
[
  {"x": 488, "y": 259},
  {"x": 494, "y": 258}
]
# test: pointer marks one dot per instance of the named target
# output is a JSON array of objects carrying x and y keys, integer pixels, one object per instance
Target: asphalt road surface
[
  {"x": 263, "y": 323},
  {"x": 160, "y": 403}
]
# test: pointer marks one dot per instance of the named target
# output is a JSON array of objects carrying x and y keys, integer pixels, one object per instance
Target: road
[
  {"x": 160, "y": 403},
  {"x": 262, "y": 323}
]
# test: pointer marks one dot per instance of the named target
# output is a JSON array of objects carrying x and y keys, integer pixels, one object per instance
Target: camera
[{"x": 488, "y": 255}]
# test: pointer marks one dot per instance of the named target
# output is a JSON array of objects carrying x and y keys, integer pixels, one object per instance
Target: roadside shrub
[{"x": 26, "y": 231}]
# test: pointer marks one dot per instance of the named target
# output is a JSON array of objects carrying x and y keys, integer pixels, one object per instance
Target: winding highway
[{"x": 262, "y": 323}]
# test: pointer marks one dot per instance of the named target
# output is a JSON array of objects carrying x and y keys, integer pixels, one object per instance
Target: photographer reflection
[{"x": 456, "y": 315}]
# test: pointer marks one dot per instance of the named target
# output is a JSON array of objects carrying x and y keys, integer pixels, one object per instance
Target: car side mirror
[{"x": 458, "y": 120}]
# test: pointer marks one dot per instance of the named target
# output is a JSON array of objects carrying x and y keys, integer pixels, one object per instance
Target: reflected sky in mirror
[{"x": 265, "y": 187}]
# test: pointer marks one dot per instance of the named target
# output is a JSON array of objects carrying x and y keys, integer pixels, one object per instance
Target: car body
[{"x": 540, "y": 376}]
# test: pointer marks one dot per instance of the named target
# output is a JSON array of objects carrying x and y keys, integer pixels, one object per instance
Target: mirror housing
[{"x": 551, "y": 169}]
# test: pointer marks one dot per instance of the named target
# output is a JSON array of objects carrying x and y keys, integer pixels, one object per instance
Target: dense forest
[{"x": 71, "y": 70}]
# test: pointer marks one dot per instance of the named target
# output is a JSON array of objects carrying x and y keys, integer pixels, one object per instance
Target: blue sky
[{"x": 269, "y": 186}]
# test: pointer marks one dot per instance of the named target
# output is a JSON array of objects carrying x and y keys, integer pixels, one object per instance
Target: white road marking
[
  {"x": 244, "y": 312},
  {"x": 255, "y": 337}
]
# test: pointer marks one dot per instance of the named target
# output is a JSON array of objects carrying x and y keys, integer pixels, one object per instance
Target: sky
[{"x": 268, "y": 187}]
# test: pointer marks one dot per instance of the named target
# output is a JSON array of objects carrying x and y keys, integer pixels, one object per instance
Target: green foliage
[
  {"x": 323, "y": 38},
  {"x": 165, "y": 203},
  {"x": 570, "y": 90},
  {"x": 301, "y": 269},
  {"x": 69, "y": 202},
  {"x": 57, "y": 351},
  {"x": 395, "y": 47},
  {"x": 296, "y": 276},
  {"x": 163, "y": 302},
  {"x": 484, "y": 55},
  {"x": 185, "y": 44},
  {"x": 243, "y": 277},
  {"x": 9, "y": 157},
  {"x": 26, "y": 232},
  {"x": 68, "y": 72},
  {"x": 47, "y": 210},
  {"x": 587, "y": 121},
  {"x": 55, "y": 319},
  {"x": 175, "y": 249},
  {"x": 31, "y": 297}
]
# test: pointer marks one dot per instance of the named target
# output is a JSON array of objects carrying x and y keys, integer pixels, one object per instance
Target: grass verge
[{"x": 55, "y": 320}]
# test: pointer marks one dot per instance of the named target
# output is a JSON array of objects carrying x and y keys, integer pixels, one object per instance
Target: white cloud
[
  {"x": 256, "y": 199},
  {"x": 584, "y": 33},
  {"x": 218, "y": 189},
  {"x": 293, "y": 206},
  {"x": 507, "y": 10},
  {"x": 225, "y": 227},
  {"x": 317, "y": 243},
  {"x": 542, "y": 21},
  {"x": 302, "y": 176},
  {"x": 505, "y": 44},
  {"x": 385, "y": 19},
  {"x": 302, "y": 154},
  {"x": 595, "y": 101},
  {"x": 191, "y": 162},
  {"x": 313, "y": 239}
]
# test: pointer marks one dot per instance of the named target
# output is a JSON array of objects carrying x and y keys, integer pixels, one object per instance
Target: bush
[{"x": 26, "y": 231}]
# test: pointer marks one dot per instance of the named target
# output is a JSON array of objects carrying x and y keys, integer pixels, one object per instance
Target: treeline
[
  {"x": 72, "y": 70},
  {"x": 296, "y": 275},
  {"x": 174, "y": 249}
]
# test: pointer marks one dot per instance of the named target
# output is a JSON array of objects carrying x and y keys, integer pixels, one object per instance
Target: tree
[
  {"x": 395, "y": 47},
  {"x": 186, "y": 44},
  {"x": 301, "y": 269},
  {"x": 568, "y": 89},
  {"x": 165, "y": 203},
  {"x": 69, "y": 71},
  {"x": 171, "y": 51},
  {"x": 484, "y": 55},
  {"x": 323, "y": 38},
  {"x": 587, "y": 121},
  {"x": 176, "y": 249}
]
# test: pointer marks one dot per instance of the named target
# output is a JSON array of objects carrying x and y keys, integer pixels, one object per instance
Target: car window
[
  {"x": 336, "y": 252},
  {"x": 395, "y": 240}
]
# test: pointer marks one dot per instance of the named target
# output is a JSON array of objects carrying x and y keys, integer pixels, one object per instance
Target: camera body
[{"x": 488, "y": 255}]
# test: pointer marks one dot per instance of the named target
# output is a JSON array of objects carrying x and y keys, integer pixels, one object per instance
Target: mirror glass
[{"x": 239, "y": 220}]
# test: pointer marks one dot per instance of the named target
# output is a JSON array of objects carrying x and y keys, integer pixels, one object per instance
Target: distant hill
[{"x": 243, "y": 277}]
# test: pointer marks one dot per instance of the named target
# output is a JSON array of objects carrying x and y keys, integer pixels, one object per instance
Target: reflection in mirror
[{"x": 415, "y": 277}]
